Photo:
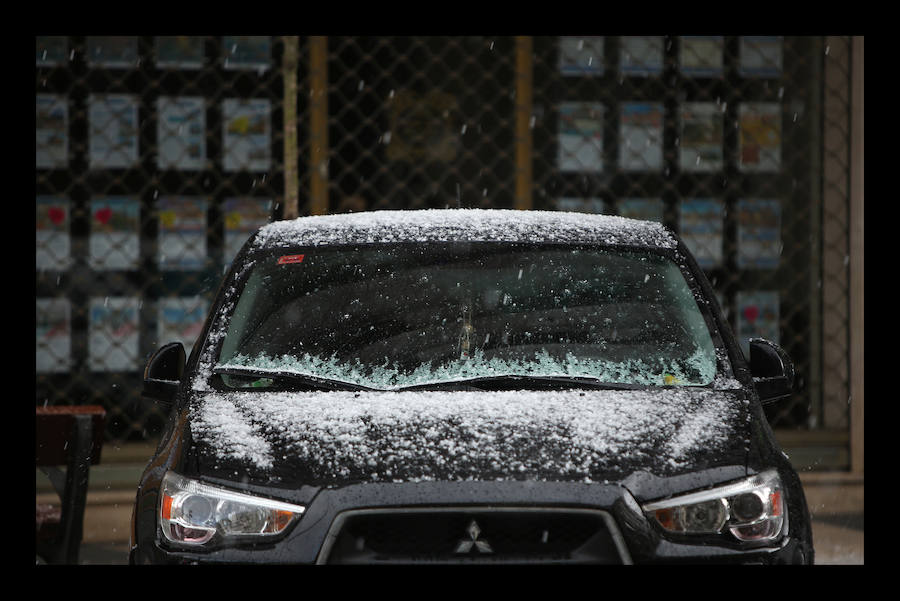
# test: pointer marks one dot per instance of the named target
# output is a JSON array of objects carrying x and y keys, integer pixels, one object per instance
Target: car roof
[{"x": 462, "y": 225}]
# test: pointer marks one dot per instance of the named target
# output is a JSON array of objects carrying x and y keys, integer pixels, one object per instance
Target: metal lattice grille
[
  {"x": 421, "y": 122},
  {"x": 740, "y": 144},
  {"x": 154, "y": 158}
]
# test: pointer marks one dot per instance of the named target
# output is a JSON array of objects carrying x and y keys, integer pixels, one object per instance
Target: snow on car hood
[
  {"x": 335, "y": 438},
  {"x": 473, "y": 225}
]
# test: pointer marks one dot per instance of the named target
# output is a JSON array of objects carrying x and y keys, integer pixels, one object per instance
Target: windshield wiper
[
  {"x": 293, "y": 379},
  {"x": 515, "y": 381},
  {"x": 499, "y": 382}
]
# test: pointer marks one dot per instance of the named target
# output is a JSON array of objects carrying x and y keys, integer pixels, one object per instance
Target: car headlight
[
  {"x": 193, "y": 513},
  {"x": 752, "y": 510}
]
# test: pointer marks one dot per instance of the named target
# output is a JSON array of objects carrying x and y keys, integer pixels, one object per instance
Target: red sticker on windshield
[{"x": 286, "y": 259}]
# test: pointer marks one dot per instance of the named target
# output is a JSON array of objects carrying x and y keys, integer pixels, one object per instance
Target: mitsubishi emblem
[{"x": 465, "y": 545}]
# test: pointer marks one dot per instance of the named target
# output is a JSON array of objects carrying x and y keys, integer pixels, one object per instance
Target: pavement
[
  {"x": 835, "y": 500},
  {"x": 836, "y": 504}
]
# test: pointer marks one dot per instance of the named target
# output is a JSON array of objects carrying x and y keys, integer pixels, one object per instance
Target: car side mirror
[
  {"x": 162, "y": 376},
  {"x": 772, "y": 370}
]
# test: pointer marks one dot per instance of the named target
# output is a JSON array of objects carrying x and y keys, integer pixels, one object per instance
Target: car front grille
[{"x": 475, "y": 535}]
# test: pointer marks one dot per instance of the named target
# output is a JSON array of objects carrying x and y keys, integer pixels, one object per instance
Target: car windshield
[{"x": 393, "y": 316}]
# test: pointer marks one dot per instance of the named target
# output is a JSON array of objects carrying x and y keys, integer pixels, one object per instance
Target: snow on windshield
[
  {"x": 474, "y": 225},
  {"x": 455, "y": 436},
  {"x": 698, "y": 368}
]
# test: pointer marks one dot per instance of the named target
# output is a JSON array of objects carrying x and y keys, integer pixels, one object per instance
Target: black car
[{"x": 468, "y": 386}]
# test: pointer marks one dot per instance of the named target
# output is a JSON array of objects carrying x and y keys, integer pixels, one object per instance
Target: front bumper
[{"x": 394, "y": 523}]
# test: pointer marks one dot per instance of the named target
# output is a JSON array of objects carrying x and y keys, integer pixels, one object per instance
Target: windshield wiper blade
[
  {"x": 523, "y": 381},
  {"x": 315, "y": 382},
  {"x": 496, "y": 382}
]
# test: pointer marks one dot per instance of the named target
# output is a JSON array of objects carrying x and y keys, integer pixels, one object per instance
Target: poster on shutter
[
  {"x": 181, "y": 133},
  {"x": 701, "y": 55},
  {"x": 112, "y": 51},
  {"x": 641, "y": 136},
  {"x": 701, "y": 228},
  {"x": 761, "y": 55},
  {"x": 113, "y": 131},
  {"x": 181, "y": 320},
  {"x": 113, "y": 334},
  {"x": 243, "y": 216},
  {"x": 581, "y": 55},
  {"x": 247, "y": 52},
  {"x": 759, "y": 233},
  {"x": 115, "y": 233},
  {"x": 54, "y": 335},
  {"x": 760, "y": 136},
  {"x": 247, "y": 134},
  {"x": 51, "y": 132},
  {"x": 641, "y": 55},
  {"x": 52, "y": 239},
  {"x": 580, "y": 137},
  {"x": 51, "y": 50},
  {"x": 701, "y": 142},
  {"x": 179, "y": 52},
  {"x": 182, "y": 233},
  {"x": 757, "y": 317}
]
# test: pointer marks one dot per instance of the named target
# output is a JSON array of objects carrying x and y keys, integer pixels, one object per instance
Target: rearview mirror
[
  {"x": 162, "y": 376},
  {"x": 772, "y": 370}
]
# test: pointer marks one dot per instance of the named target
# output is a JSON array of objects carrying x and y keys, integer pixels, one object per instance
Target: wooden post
[
  {"x": 318, "y": 130},
  {"x": 524, "y": 91},
  {"x": 289, "y": 65}
]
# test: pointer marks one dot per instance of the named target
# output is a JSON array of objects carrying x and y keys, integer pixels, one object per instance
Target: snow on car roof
[
  {"x": 473, "y": 225},
  {"x": 427, "y": 435}
]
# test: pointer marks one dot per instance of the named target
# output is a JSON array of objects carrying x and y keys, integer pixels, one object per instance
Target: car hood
[{"x": 337, "y": 438}]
